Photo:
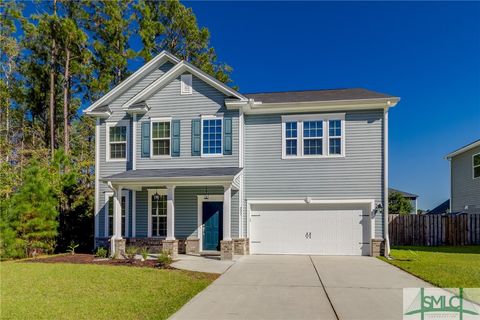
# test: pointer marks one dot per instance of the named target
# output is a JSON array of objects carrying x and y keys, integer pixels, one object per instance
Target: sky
[{"x": 427, "y": 53}]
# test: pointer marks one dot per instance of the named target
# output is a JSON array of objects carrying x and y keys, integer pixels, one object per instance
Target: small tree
[
  {"x": 398, "y": 204},
  {"x": 33, "y": 212}
]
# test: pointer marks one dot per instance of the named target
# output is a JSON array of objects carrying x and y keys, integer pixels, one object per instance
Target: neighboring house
[
  {"x": 465, "y": 178},
  {"x": 410, "y": 196},
  {"x": 187, "y": 164},
  {"x": 442, "y": 208}
]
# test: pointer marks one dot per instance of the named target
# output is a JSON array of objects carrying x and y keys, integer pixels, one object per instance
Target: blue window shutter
[
  {"x": 227, "y": 135},
  {"x": 196, "y": 133},
  {"x": 175, "y": 138},
  {"x": 145, "y": 139}
]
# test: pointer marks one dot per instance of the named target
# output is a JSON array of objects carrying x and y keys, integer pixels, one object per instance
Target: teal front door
[{"x": 212, "y": 225}]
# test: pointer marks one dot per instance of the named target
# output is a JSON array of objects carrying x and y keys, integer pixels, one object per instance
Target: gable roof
[
  {"x": 173, "y": 73},
  {"x": 463, "y": 149},
  {"x": 441, "y": 208},
  {"x": 317, "y": 95},
  {"x": 403, "y": 193},
  {"x": 156, "y": 62}
]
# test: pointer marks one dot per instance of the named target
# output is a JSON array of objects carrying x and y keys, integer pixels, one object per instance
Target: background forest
[{"x": 55, "y": 61}]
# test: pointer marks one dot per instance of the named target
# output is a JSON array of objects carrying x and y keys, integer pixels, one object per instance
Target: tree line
[{"x": 57, "y": 57}]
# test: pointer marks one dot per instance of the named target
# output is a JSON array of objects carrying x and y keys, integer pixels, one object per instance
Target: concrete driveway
[{"x": 303, "y": 287}]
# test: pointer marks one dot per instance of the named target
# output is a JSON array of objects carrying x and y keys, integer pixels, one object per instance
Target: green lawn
[
  {"x": 446, "y": 267},
  {"x": 82, "y": 291}
]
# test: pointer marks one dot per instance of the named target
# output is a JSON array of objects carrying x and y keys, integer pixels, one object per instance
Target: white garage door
[{"x": 302, "y": 230}]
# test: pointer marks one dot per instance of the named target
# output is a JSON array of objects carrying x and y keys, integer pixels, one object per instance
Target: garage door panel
[{"x": 322, "y": 232}]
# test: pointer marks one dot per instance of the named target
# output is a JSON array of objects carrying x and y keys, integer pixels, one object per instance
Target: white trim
[
  {"x": 463, "y": 149},
  {"x": 156, "y": 62},
  {"x": 107, "y": 195},
  {"x": 325, "y": 118},
  {"x": 385, "y": 184},
  {"x": 134, "y": 213},
  {"x": 134, "y": 142},
  {"x": 186, "y": 84},
  {"x": 151, "y": 192},
  {"x": 108, "y": 125},
  {"x": 257, "y": 107},
  {"x": 241, "y": 130},
  {"x": 97, "y": 179},
  {"x": 200, "y": 201},
  {"x": 211, "y": 117},
  {"x": 160, "y": 120},
  {"x": 473, "y": 166},
  {"x": 173, "y": 73}
]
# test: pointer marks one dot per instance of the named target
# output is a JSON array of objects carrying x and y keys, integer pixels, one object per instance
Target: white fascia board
[
  {"x": 321, "y": 106},
  {"x": 156, "y": 62},
  {"x": 463, "y": 149},
  {"x": 99, "y": 114},
  {"x": 180, "y": 68}
]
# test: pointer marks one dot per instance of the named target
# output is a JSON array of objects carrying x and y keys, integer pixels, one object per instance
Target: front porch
[{"x": 173, "y": 210}]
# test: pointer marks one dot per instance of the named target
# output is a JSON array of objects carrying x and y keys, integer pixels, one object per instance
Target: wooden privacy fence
[{"x": 434, "y": 230}]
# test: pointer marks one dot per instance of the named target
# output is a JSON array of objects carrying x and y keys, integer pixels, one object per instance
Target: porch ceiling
[{"x": 177, "y": 176}]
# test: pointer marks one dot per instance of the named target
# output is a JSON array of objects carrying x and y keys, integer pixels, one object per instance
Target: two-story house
[
  {"x": 187, "y": 164},
  {"x": 465, "y": 179}
]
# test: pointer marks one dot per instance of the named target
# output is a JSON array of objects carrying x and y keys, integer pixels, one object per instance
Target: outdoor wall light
[
  {"x": 156, "y": 196},
  {"x": 206, "y": 194}
]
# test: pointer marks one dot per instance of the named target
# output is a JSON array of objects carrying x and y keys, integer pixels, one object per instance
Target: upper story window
[
  {"x": 476, "y": 166},
  {"x": 319, "y": 135},
  {"x": 186, "y": 84},
  {"x": 212, "y": 136},
  {"x": 160, "y": 137},
  {"x": 117, "y": 141}
]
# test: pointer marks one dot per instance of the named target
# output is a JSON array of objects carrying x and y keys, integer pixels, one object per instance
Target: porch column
[
  {"x": 170, "y": 213},
  {"x": 227, "y": 196},
  {"x": 117, "y": 213}
]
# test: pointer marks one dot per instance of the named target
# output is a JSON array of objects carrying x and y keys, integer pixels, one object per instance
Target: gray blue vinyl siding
[
  {"x": 465, "y": 191},
  {"x": 204, "y": 100},
  {"x": 359, "y": 175},
  {"x": 186, "y": 213}
]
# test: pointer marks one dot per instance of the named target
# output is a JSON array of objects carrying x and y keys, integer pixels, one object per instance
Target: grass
[
  {"x": 82, "y": 291},
  {"x": 446, "y": 266}
]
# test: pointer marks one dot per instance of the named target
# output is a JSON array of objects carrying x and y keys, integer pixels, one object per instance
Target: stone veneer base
[
  {"x": 171, "y": 247},
  {"x": 226, "y": 249},
  {"x": 377, "y": 247}
]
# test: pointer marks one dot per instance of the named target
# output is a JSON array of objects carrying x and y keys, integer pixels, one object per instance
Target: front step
[{"x": 209, "y": 253}]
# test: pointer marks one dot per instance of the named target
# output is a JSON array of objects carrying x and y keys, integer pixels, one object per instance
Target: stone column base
[
  {"x": 170, "y": 247},
  {"x": 240, "y": 246},
  {"x": 119, "y": 248},
  {"x": 377, "y": 247},
  {"x": 192, "y": 246},
  {"x": 226, "y": 250}
]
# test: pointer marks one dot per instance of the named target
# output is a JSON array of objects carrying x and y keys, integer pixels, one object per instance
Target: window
[
  {"x": 158, "y": 215},
  {"x": 476, "y": 166},
  {"x": 313, "y": 135},
  {"x": 291, "y": 138},
  {"x": 186, "y": 84},
  {"x": 335, "y": 136},
  {"x": 212, "y": 136},
  {"x": 160, "y": 138},
  {"x": 110, "y": 215},
  {"x": 116, "y": 136}
]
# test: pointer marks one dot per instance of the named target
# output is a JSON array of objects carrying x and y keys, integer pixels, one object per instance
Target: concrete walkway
[
  {"x": 303, "y": 287},
  {"x": 203, "y": 264}
]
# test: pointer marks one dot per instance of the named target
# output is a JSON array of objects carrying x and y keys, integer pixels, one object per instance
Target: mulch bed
[{"x": 80, "y": 258}]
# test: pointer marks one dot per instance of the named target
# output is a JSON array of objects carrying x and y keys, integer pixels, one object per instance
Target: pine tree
[{"x": 33, "y": 212}]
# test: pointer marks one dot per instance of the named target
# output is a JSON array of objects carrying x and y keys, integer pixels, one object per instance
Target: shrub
[
  {"x": 101, "y": 252},
  {"x": 144, "y": 253},
  {"x": 130, "y": 252},
  {"x": 72, "y": 247},
  {"x": 165, "y": 259}
]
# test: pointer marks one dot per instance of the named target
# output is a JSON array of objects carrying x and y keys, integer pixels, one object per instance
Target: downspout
[{"x": 385, "y": 183}]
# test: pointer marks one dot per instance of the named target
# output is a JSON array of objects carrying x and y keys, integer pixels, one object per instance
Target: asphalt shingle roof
[
  {"x": 403, "y": 193},
  {"x": 173, "y": 173},
  {"x": 316, "y": 95}
]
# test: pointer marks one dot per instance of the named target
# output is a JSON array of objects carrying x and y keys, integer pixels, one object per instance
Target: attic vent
[{"x": 186, "y": 86}]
